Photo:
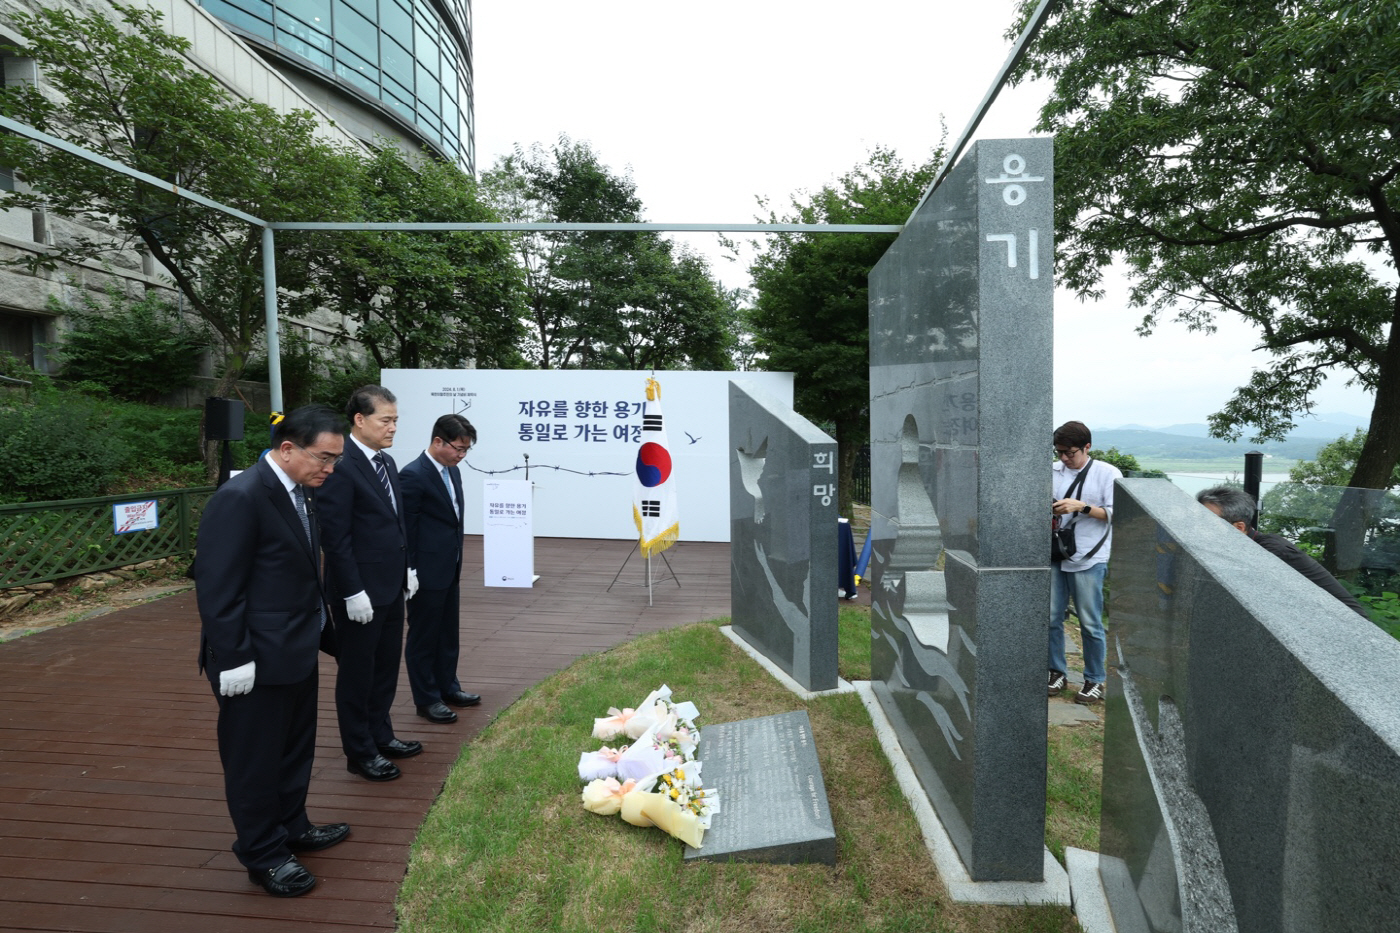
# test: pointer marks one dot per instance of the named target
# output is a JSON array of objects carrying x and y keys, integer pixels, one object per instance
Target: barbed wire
[{"x": 545, "y": 466}]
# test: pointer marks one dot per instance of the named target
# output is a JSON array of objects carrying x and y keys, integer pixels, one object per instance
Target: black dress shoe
[
  {"x": 437, "y": 712},
  {"x": 377, "y": 768},
  {"x": 319, "y": 837},
  {"x": 398, "y": 748},
  {"x": 290, "y": 879},
  {"x": 458, "y": 698}
]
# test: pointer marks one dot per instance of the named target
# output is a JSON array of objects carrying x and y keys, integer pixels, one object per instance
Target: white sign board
[
  {"x": 135, "y": 516},
  {"x": 508, "y": 545},
  {"x": 579, "y": 432}
]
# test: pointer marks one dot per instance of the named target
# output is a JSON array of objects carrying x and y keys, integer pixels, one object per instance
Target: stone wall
[{"x": 1252, "y": 747}]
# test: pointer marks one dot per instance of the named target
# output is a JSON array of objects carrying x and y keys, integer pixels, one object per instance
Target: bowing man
[
  {"x": 367, "y": 574},
  {"x": 263, "y": 616},
  {"x": 432, "y": 493}
]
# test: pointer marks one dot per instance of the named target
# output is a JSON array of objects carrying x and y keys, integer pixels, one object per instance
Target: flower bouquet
[{"x": 654, "y": 781}]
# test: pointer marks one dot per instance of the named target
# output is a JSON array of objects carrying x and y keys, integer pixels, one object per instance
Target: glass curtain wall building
[{"x": 409, "y": 59}]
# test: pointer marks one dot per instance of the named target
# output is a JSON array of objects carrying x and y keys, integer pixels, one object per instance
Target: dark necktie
[
  {"x": 299, "y": 497},
  {"x": 383, "y": 473}
]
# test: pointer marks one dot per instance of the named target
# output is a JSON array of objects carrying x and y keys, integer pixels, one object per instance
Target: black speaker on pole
[{"x": 223, "y": 421}]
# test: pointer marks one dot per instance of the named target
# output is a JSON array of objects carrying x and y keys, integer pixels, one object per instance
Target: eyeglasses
[
  {"x": 323, "y": 459},
  {"x": 462, "y": 451},
  {"x": 1064, "y": 452}
]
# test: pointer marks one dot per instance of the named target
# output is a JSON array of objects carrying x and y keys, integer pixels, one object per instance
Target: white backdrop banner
[{"x": 579, "y": 431}]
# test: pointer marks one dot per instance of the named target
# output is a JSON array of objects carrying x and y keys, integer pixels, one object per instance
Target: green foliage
[
  {"x": 1126, "y": 463},
  {"x": 343, "y": 377},
  {"x": 1385, "y": 611},
  {"x": 419, "y": 298},
  {"x": 125, "y": 90},
  {"x": 62, "y": 443},
  {"x": 136, "y": 349},
  {"x": 811, "y": 314},
  {"x": 302, "y": 368},
  {"x": 58, "y": 448},
  {"x": 1335, "y": 463},
  {"x": 605, "y": 300},
  {"x": 1239, "y": 158}
]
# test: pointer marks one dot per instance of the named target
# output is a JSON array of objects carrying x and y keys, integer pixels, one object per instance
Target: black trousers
[
  {"x": 368, "y": 678},
  {"x": 267, "y": 741},
  {"x": 434, "y": 643}
]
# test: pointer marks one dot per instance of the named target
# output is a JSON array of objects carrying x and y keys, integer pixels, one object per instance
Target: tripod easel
[{"x": 650, "y": 580}]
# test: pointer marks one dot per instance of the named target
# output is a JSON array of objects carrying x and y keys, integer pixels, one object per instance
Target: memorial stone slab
[
  {"x": 960, "y": 380},
  {"x": 1251, "y": 740},
  {"x": 783, "y": 537},
  {"x": 772, "y": 796}
]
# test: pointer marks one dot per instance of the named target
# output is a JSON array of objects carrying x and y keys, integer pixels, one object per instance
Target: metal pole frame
[{"x": 274, "y": 360}]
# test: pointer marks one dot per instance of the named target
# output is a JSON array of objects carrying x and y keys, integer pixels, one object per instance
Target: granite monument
[
  {"x": 960, "y": 382},
  {"x": 782, "y": 537},
  {"x": 1252, "y": 736}
]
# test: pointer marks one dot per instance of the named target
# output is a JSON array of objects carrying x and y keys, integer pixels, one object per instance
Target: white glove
[
  {"x": 412, "y": 582},
  {"x": 237, "y": 681},
  {"x": 358, "y": 607}
]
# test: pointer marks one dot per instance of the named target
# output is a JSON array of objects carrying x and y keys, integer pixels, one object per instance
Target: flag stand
[{"x": 650, "y": 581}]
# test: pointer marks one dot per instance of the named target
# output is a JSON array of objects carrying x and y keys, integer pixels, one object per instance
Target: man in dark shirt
[{"x": 1237, "y": 507}]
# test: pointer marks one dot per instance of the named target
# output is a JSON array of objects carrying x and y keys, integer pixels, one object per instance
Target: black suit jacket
[
  {"x": 434, "y": 528},
  {"x": 257, "y": 583},
  {"x": 362, "y": 535}
]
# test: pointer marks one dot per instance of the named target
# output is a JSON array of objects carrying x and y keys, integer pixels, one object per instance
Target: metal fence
[
  {"x": 861, "y": 481},
  {"x": 43, "y": 541}
]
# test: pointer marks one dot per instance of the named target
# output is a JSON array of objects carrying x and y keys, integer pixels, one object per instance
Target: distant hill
[
  {"x": 1193, "y": 441},
  {"x": 1159, "y": 445}
]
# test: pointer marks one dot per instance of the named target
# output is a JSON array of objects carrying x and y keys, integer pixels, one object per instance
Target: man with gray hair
[{"x": 1237, "y": 507}]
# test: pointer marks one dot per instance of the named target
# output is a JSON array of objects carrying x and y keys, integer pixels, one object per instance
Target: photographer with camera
[{"x": 1081, "y": 537}]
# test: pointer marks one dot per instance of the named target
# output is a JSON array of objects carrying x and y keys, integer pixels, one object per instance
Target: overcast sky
[{"x": 713, "y": 105}]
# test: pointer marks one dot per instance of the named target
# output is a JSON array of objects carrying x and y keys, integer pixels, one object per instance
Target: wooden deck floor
[{"x": 112, "y": 816}]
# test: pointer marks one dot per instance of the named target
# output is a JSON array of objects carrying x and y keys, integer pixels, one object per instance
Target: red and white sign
[{"x": 135, "y": 516}]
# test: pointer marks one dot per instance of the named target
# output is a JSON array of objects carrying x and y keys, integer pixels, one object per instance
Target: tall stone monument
[
  {"x": 960, "y": 383},
  {"x": 782, "y": 538}
]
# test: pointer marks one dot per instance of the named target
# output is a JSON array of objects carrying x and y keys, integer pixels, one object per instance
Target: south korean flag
[{"x": 654, "y": 502}]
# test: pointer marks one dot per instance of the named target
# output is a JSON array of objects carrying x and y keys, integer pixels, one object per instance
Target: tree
[
  {"x": 811, "y": 311},
  {"x": 137, "y": 350},
  {"x": 1125, "y": 462},
  {"x": 1357, "y": 531},
  {"x": 127, "y": 93},
  {"x": 1240, "y": 158},
  {"x": 604, "y": 299},
  {"x": 424, "y": 298},
  {"x": 1335, "y": 463}
]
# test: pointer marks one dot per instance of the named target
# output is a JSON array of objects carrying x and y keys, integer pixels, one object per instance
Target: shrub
[
  {"x": 346, "y": 374},
  {"x": 302, "y": 369},
  {"x": 137, "y": 350},
  {"x": 1127, "y": 463},
  {"x": 60, "y": 447}
]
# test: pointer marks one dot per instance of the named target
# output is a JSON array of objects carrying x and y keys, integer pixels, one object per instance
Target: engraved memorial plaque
[{"x": 773, "y": 799}]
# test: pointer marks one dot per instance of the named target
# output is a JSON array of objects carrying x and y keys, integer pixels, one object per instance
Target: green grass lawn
[{"x": 509, "y": 847}]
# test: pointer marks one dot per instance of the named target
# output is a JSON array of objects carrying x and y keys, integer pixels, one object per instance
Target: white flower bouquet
[{"x": 655, "y": 781}]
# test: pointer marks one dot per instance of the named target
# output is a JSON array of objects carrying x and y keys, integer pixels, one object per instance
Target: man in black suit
[
  {"x": 367, "y": 570},
  {"x": 432, "y": 495},
  {"x": 262, "y": 610}
]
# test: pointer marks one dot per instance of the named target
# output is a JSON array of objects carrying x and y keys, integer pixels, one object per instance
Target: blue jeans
[{"x": 1087, "y": 587}]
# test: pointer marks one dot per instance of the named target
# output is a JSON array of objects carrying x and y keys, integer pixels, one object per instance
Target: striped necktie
[
  {"x": 299, "y": 497},
  {"x": 382, "y": 472}
]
